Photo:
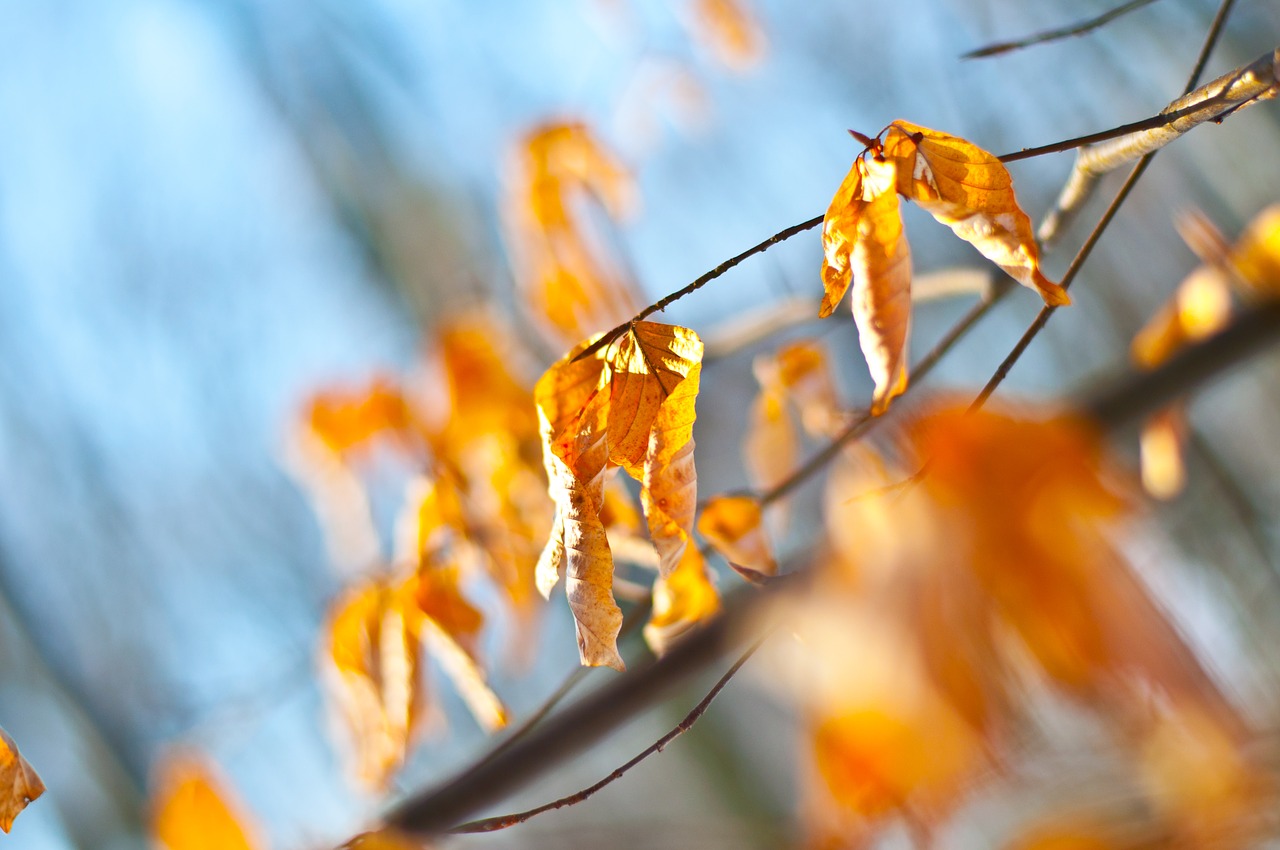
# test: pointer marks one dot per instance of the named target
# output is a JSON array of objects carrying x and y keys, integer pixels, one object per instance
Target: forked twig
[
  {"x": 503, "y": 821},
  {"x": 1079, "y": 28},
  {"x": 1046, "y": 313},
  {"x": 1214, "y": 101}
]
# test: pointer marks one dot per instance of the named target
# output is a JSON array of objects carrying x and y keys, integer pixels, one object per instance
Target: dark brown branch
[
  {"x": 503, "y": 821},
  {"x": 1079, "y": 28}
]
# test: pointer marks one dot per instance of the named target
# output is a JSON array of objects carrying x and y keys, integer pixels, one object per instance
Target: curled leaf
[
  {"x": 970, "y": 191},
  {"x": 629, "y": 403},
  {"x": 864, "y": 244}
]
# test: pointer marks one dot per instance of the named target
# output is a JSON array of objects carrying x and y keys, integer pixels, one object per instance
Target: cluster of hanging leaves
[
  {"x": 1200, "y": 307},
  {"x": 629, "y": 404},
  {"x": 475, "y": 510},
  {"x": 560, "y": 174},
  {"x": 19, "y": 784},
  {"x": 960, "y": 185},
  {"x": 946, "y": 604}
]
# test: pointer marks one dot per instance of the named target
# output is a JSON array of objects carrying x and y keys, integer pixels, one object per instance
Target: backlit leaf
[
  {"x": 630, "y": 403},
  {"x": 971, "y": 191},
  {"x": 573, "y": 410},
  {"x": 19, "y": 783},
  {"x": 192, "y": 810},
  {"x": 864, "y": 243}
]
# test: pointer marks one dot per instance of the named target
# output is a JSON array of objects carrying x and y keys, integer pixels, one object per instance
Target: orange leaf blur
[
  {"x": 19, "y": 783},
  {"x": 374, "y": 655},
  {"x": 729, "y": 31},
  {"x": 192, "y": 810},
  {"x": 734, "y": 525},
  {"x": 568, "y": 280}
]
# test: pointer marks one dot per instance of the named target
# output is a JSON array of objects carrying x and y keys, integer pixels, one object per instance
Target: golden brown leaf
[
  {"x": 864, "y": 243},
  {"x": 734, "y": 525},
  {"x": 192, "y": 810},
  {"x": 375, "y": 649},
  {"x": 573, "y": 409},
  {"x": 631, "y": 403},
  {"x": 386, "y": 839},
  {"x": 800, "y": 372},
  {"x": 19, "y": 783},
  {"x": 771, "y": 446},
  {"x": 971, "y": 191},
  {"x": 646, "y": 365}
]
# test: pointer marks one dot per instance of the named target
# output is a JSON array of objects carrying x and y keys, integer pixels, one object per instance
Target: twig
[
  {"x": 1042, "y": 319},
  {"x": 1213, "y": 101},
  {"x": 1153, "y": 123},
  {"x": 503, "y": 821},
  {"x": 1079, "y": 28}
]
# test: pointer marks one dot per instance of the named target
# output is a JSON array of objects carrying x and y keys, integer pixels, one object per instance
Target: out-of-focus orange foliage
[
  {"x": 568, "y": 281},
  {"x": 19, "y": 783},
  {"x": 795, "y": 381},
  {"x": 729, "y": 31},
  {"x": 375, "y": 655},
  {"x": 386, "y": 839},
  {"x": 734, "y": 525},
  {"x": 191, "y": 809},
  {"x": 375, "y": 651},
  {"x": 477, "y": 503},
  {"x": 1200, "y": 307},
  {"x": 995, "y": 567},
  {"x": 956, "y": 182},
  {"x": 349, "y": 419},
  {"x": 629, "y": 404}
]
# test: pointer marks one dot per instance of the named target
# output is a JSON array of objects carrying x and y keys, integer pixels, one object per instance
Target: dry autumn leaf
[
  {"x": 19, "y": 783},
  {"x": 631, "y": 403},
  {"x": 970, "y": 191},
  {"x": 863, "y": 244},
  {"x": 192, "y": 810}
]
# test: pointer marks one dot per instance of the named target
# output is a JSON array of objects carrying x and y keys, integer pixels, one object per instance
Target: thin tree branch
[
  {"x": 1213, "y": 101},
  {"x": 1079, "y": 28},
  {"x": 1042, "y": 319},
  {"x": 1147, "y": 124},
  {"x": 503, "y": 821}
]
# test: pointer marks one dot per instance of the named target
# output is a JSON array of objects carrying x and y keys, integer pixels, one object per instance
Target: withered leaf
[{"x": 971, "y": 191}]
